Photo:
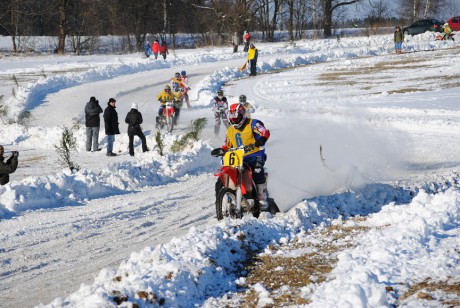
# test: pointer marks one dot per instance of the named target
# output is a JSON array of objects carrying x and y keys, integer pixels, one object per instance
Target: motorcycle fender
[
  {"x": 170, "y": 112},
  {"x": 229, "y": 177},
  {"x": 246, "y": 186}
]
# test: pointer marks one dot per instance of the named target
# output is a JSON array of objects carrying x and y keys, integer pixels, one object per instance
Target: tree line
[{"x": 80, "y": 21}]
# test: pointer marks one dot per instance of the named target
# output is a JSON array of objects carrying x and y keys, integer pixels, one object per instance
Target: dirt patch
[{"x": 425, "y": 290}]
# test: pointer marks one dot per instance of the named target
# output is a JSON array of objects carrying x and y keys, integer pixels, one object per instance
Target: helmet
[
  {"x": 237, "y": 115},
  {"x": 183, "y": 73},
  {"x": 220, "y": 92},
  {"x": 167, "y": 88},
  {"x": 242, "y": 98},
  {"x": 177, "y": 75},
  {"x": 446, "y": 24}
]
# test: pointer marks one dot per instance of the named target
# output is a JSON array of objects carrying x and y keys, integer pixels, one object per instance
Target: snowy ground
[{"x": 389, "y": 131}]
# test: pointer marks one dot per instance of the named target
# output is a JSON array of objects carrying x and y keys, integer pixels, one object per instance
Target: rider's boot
[{"x": 262, "y": 197}]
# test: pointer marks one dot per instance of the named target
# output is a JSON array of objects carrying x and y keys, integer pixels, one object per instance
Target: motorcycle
[
  {"x": 221, "y": 116},
  {"x": 236, "y": 192},
  {"x": 168, "y": 118},
  {"x": 442, "y": 37}
]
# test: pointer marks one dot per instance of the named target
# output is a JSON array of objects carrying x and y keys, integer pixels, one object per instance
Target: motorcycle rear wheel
[{"x": 226, "y": 204}]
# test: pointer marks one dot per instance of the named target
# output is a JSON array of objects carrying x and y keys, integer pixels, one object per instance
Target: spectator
[
  {"x": 247, "y": 40},
  {"x": 134, "y": 121},
  {"x": 164, "y": 49},
  {"x": 398, "y": 39},
  {"x": 252, "y": 59},
  {"x": 93, "y": 123},
  {"x": 147, "y": 49},
  {"x": 111, "y": 125},
  {"x": 155, "y": 48},
  {"x": 235, "y": 42},
  {"x": 8, "y": 167}
]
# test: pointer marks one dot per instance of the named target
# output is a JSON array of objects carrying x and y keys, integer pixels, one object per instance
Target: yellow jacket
[
  {"x": 164, "y": 97},
  {"x": 252, "y": 53}
]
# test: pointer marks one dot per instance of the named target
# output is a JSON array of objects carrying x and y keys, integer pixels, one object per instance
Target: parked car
[
  {"x": 423, "y": 25},
  {"x": 454, "y": 23}
]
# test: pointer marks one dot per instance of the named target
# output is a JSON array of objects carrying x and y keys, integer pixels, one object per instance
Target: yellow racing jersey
[
  {"x": 164, "y": 97},
  {"x": 246, "y": 135}
]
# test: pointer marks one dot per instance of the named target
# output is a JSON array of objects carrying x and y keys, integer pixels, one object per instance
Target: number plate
[{"x": 234, "y": 158}]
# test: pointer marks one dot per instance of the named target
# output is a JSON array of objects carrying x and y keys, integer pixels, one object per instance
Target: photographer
[{"x": 8, "y": 167}]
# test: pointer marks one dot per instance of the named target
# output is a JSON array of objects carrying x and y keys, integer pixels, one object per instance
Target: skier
[
  {"x": 245, "y": 132},
  {"x": 219, "y": 106},
  {"x": 134, "y": 121}
]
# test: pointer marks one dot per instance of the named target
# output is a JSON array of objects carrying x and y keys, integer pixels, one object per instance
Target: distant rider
[
  {"x": 249, "y": 109},
  {"x": 219, "y": 106},
  {"x": 179, "y": 85},
  {"x": 185, "y": 80},
  {"x": 245, "y": 132},
  {"x": 164, "y": 97}
]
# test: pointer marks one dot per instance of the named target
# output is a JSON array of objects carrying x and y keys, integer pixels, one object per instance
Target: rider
[
  {"x": 219, "y": 106},
  {"x": 447, "y": 31},
  {"x": 164, "y": 97},
  {"x": 185, "y": 81},
  {"x": 246, "y": 132},
  {"x": 178, "y": 84},
  {"x": 242, "y": 99}
]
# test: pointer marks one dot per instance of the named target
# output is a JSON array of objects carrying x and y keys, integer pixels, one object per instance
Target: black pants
[
  {"x": 136, "y": 131},
  {"x": 253, "y": 67}
]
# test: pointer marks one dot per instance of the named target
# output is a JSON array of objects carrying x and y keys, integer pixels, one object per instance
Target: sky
[{"x": 388, "y": 169}]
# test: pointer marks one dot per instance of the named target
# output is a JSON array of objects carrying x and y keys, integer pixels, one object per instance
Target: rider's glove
[{"x": 260, "y": 142}]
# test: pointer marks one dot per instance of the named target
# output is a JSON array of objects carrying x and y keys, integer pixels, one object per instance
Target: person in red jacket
[
  {"x": 164, "y": 50},
  {"x": 155, "y": 48},
  {"x": 247, "y": 40}
]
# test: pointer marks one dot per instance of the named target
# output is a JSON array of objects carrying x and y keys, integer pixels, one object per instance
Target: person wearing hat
[
  {"x": 8, "y": 167},
  {"x": 252, "y": 59},
  {"x": 134, "y": 121},
  {"x": 92, "y": 122},
  {"x": 111, "y": 125}
]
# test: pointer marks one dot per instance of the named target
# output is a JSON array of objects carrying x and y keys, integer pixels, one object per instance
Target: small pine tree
[
  {"x": 159, "y": 140},
  {"x": 196, "y": 127},
  {"x": 64, "y": 148}
]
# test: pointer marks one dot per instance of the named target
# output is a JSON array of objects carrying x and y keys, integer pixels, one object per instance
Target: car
[
  {"x": 423, "y": 25},
  {"x": 454, "y": 23}
]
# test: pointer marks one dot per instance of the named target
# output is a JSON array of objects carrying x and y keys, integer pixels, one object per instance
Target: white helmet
[{"x": 446, "y": 24}]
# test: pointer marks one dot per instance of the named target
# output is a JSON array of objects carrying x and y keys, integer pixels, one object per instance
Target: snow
[{"x": 356, "y": 131}]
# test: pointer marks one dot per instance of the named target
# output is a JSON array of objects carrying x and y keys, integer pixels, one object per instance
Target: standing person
[
  {"x": 245, "y": 132},
  {"x": 155, "y": 48},
  {"x": 163, "y": 49},
  {"x": 8, "y": 167},
  {"x": 398, "y": 39},
  {"x": 147, "y": 49},
  {"x": 111, "y": 125},
  {"x": 252, "y": 59},
  {"x": 219, "y": 106},
  {"x": 247, "y": 40},
  {"x": 235, "y": 42},
  {"x": 93, "y": 123},
  {"x": 134, "y": 121}
]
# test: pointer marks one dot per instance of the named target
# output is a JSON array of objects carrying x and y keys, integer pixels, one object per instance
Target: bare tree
[{"x": 329, "y": 6}]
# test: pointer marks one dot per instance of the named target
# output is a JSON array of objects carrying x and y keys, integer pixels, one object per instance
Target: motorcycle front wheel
[
  {"x": 170, "y": 123},
  {"x": 226, "y": 204}
]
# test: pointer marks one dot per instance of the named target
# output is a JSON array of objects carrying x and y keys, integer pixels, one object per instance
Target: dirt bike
[
  {"x": 168, "y": 118},
  {"x": 442, "y": 37},
  {"x": 236, "y": 192},
  {"x": 221, "y": 111}
]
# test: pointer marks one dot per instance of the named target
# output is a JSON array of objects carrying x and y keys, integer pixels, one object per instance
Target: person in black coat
[
  {"x": 93, "y": 122},
  {"x": 111, "y": 125},
  {"x": 134, "y": 121},
  {"x": 8, "y": 167}
]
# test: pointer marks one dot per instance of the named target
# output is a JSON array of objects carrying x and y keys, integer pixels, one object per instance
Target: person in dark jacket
[
  {"x": 134, "y": 121},
  {"x": 111, "y": 125},
  {"x": 93, "y": 123},
  {"x": 8, "y": 167}
]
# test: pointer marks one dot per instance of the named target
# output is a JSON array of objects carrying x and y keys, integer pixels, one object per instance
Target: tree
[{"x": 328, "y": 7}]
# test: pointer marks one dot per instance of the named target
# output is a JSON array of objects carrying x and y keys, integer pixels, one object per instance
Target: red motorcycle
[
  {"x": 236, "y": 192},
  {"x": 443, "y": 37},
  {"x": 168, "y": 117}
]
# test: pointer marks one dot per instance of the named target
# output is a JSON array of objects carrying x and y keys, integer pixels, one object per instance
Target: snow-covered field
[{"x": 128, "y": 228}]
